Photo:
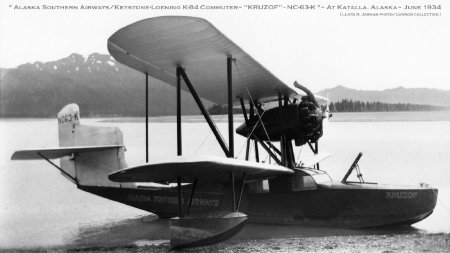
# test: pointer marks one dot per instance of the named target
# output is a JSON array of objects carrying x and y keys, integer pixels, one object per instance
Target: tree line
[{"x": 348, "y": 105}]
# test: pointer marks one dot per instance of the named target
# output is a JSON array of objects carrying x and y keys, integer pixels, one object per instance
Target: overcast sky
[{"x": 317, "y": 48}]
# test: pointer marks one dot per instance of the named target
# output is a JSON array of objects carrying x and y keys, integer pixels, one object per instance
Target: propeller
[
  {"x": 308, "y": 93},
  {"x": 319, "y": 112}
]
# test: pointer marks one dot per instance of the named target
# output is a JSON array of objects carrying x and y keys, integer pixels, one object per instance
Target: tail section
[
  {"x": 88, "y": 154},
  {"x": 92, "y": 167},
  {"x": 68, "y": 120}
]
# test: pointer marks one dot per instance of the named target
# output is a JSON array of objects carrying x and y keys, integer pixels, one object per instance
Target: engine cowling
[{"x": 300, "y": 122}]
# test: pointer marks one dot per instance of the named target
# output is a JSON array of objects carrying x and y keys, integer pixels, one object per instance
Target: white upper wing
[{"x": 158, "y": 45}]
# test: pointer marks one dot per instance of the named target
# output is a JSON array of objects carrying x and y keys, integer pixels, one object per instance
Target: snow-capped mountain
[{"x": 99, "y": 84}]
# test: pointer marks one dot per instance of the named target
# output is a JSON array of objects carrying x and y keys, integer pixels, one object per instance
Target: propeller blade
[{"x": 308, "y": 93}]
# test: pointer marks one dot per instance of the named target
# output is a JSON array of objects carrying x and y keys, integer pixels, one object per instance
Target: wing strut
[
  {"x": 273, "y": 147},
  {"x": 179, "y": 144},
  {"x": 247, "y": 150},
  {"x": 146, "y": 117},
  {"x": 274, "y": 157},
  {"x": 230, "y": 107},
  {"x": 229, "y": 151},
  {"x": 256, "y": 151},
  {"x": 244, "y": 111}
]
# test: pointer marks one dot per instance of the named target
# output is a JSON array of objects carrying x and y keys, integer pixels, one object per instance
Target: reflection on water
[{"x": 123, "y": 232}]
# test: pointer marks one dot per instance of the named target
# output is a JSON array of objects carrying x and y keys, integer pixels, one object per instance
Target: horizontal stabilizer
[
  {"x": 54, "y": 153},
  {"x": 204, "y": 168},
  {"x": 311, "y": 161}
]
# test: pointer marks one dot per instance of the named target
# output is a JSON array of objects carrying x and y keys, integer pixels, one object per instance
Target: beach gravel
[{"x": 418, "y": 242}]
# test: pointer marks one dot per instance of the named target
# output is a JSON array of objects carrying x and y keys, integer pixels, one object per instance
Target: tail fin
[
  {"x": 68, "y": 120},
  {"x": 93, "y": 167}
]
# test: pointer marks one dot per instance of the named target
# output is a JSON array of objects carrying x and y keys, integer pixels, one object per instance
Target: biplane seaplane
[{"x": 209, "y": 198}]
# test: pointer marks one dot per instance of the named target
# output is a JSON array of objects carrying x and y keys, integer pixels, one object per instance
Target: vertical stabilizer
[
  {"x": 89, "y": 168},
  {"x": 68, "y": 120}
]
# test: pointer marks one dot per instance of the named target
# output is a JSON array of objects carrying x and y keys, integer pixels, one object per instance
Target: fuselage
[{"x": 307, "y": 203}]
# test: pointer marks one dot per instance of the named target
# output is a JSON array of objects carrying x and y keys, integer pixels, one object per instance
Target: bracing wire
[
  {"x": 298, "y": 157},
  {"x": 250, "y": 148},
  {"x": 208, "y": 135},
  {"x": 214, "y": 123},
  {"x": 262, "y": 124},
  {"x": 252, "y": 101},
  {"x": 248, "y": 137},
  {"x": 240, "y": 150}
]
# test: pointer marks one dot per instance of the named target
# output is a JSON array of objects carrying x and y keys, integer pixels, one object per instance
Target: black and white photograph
[{"x": 225, "y": 126}]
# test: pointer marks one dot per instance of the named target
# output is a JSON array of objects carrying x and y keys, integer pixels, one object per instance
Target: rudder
[{"x": 89, "y": 168}]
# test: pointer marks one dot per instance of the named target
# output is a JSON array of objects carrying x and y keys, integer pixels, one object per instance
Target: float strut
[
  {"x": 180, "y": 211},
  {"x": 244, "y": 176},
  {"x": 192, "y": 196},
  {"x": 233, "y": 191}
]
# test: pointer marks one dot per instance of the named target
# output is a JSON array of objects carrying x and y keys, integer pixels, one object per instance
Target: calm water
[{"x": 39, "y": 207}]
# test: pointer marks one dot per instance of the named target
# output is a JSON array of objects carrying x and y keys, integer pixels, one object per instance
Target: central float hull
[{"x": 333, "y": 205}]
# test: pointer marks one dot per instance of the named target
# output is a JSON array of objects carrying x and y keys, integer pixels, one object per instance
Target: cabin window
[
  {"x": 265, "y": 185},
  {"x": 258, "y": 186}
]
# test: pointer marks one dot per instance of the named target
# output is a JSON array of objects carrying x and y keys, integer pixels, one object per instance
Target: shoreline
[
  {"x": 417, "y": 242},
  {"x": 337, "y": 117}
]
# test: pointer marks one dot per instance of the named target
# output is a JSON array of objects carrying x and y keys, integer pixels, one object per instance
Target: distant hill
[
  {"x": 103, "y": 87},
  {"x": 3, "y": 72},
  {"x": 424, "y": 96},
  {"x": 98, "y": 84}
]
